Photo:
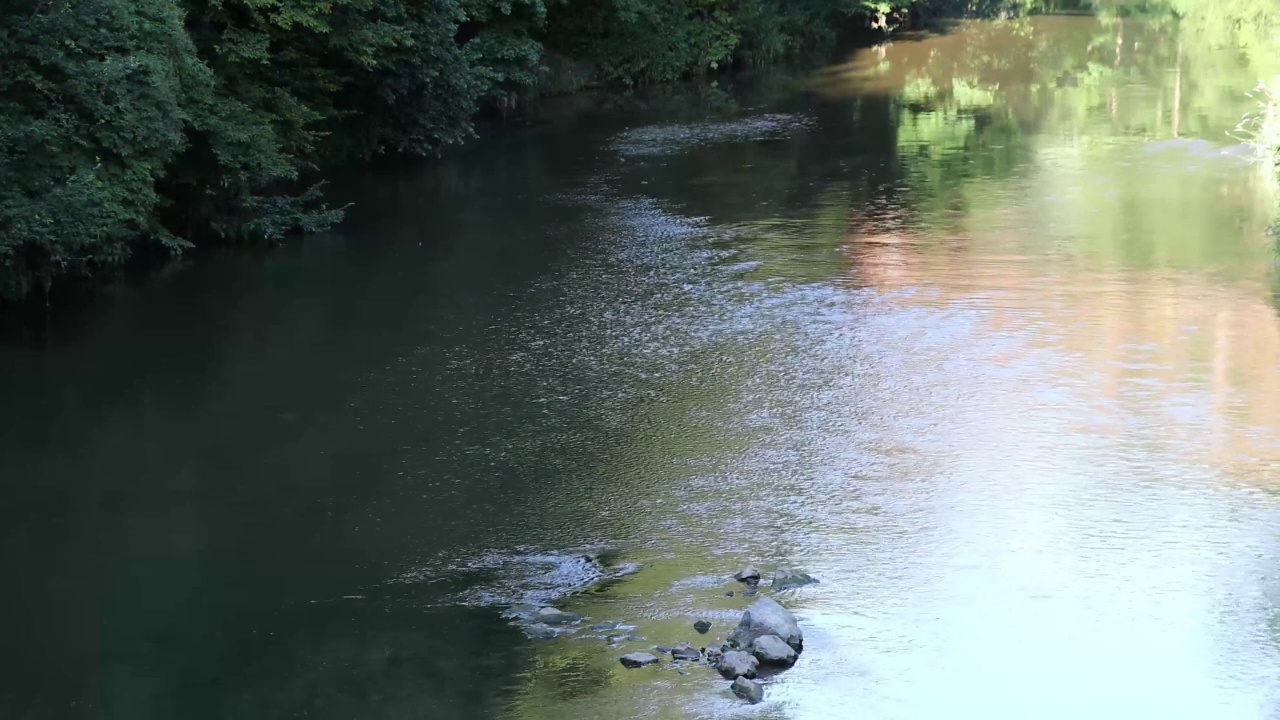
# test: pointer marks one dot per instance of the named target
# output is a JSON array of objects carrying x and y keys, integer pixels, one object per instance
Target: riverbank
[
  {"x": 74, "y": 306},
  {"x": 165, "y": 126},
  {"x": 104, "y": 181}
]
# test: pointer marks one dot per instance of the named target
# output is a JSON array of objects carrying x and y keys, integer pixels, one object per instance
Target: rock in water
[
  {"x": 737, "y": 663},
  {"x": 749, "y": 690},
  {"x": 767, "y": 617},
  {"x": 638, "y": 659},
  {"x": 522, "y": 612},
  {"x": 540, "y": 632},
  {"x": 788, "y": 579},
  {"x": 702, "y": 626},
  {"x": 747, "y": 574},
  {"x": 552, "y": 616},
  {"x": 685, "y": 651},
  {"x": 771, "y": 650},
  {"x": 714, "y": 654}
]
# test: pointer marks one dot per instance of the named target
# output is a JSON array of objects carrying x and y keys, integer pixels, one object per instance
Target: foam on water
[{"x": 521, "y": 578}]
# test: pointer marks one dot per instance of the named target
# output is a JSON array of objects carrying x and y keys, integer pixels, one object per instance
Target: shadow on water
[
  {"x": 188, "y": 473},
  {"x": 206, "y": 477}
]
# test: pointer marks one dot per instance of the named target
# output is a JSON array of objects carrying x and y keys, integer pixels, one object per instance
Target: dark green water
[{"x": 986, "y": 344}]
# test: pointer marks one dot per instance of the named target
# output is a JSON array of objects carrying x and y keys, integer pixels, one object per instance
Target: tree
[{"x": 94, "y": 98}]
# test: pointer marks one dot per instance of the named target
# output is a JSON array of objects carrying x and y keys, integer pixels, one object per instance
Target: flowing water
[{"x": 978, "y": 328}]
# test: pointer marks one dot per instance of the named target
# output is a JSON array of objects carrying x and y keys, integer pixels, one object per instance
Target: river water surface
[{"x": 978, "y": 328}]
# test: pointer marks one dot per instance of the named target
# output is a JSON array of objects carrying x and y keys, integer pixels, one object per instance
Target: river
[{"x": 988, "y": 345}]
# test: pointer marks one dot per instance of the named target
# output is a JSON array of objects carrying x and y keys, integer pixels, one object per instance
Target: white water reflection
[
  {"x": 1023, "y": 564},
  {"x": 1024, "y": 424}
]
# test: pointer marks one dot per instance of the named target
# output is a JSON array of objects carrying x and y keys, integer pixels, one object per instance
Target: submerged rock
[
  {"x": 519, "y": 614},
  {"x": 788, "y": 579},
  {"x": 767, "y": 617},
  {"x": 540, "y": 632},
  {"x": 702, "y": 626},
  {"x": 540, "y": 578},
  {"x": 772, "y": 650},
  {"x": 552, "y": 616},
  {"x": 714, "y": 654},
  {"x": 638, "y": 659},
  {"x": 749, "y": 690},
  {"x": 685, "y": 651},
  {"x": 729, "y": 594},
  {"x": 750, "y": 591},
  {"x": 522, "y": 612},
  {"x": 747, "y": 574},
  {"x": 604, "y": 626},
  {"x": 737, "y": 663}
]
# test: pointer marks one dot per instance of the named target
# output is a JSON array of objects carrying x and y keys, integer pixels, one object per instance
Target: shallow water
[{"x": 991, "y": 349}]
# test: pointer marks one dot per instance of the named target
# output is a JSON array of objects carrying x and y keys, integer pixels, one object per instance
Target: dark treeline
[
  {"x": 161, "y": 125},
  {"x": 132, "y": 125}
]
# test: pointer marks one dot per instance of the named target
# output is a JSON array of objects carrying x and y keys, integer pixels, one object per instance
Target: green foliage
[
  {"x": 130, "y": 125},
  {"x": 772, "y": 31},
  {"x": 113, "y": 130},
  {"x": 643, "y": 41},
  {"x": 95, "y": 96}
]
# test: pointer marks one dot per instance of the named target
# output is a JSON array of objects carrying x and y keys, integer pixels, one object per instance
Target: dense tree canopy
[
  {"x": 96, "y": 98},
  {"x": 132, "y": 124}
]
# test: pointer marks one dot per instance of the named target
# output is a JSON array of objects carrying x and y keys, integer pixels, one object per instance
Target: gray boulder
[
  {"x": 540, "y": 632},
  {"x": 747, "y": 574},
  {"x": 788, "y": 579},
  {"x": 702, "y": 626},
  {"x": 749, "y": 690},
  {"x": 767, "y": 617},
  {"x": 527, "y": 613},
  {"x": 638, "y": 659},
  {"x": 737, "y": 663},
  {"x": 617, "y": 639},
  {"x": 772, "y": 650},
  {"x": 685, "y": 651},
  {"x": 552, "y": 616},
  {"x": 714, "y": 654}
]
